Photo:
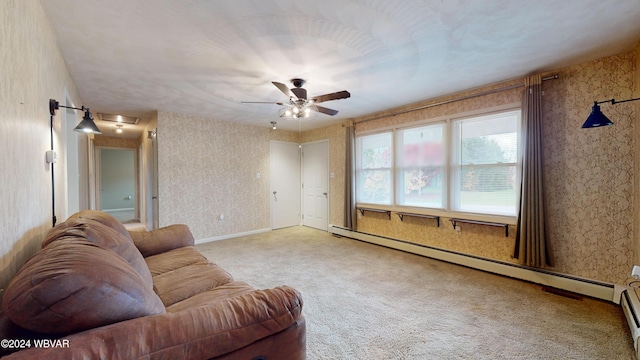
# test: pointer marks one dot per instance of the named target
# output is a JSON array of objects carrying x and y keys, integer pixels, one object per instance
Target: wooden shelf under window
[
  {"x": 401, "y": 215},
  {"x": 476, "y": 222},
  {"x": 363, "y": 209}
]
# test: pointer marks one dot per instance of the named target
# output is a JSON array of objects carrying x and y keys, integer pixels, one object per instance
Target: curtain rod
[{"x": 488, "y": 92}]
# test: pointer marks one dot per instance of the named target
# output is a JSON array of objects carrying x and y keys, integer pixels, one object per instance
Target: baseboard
[
  {"x": 587, "y": 287},
  {"x": 230, "y": 236},
  {"x": 631, "y": 306},
  {"x": 111, "y": 211}
]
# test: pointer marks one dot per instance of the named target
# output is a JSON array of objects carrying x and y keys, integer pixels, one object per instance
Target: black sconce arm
[
  {"x": 614, "y": 101},
  {"x": 55, "y": 105}
]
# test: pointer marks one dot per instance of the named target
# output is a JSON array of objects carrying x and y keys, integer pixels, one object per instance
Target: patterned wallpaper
[
  {"x": 113, "y": 141},
  {"x": 588, "y": 180},
  {"x": 32, "y": 72},
  {"x": 636, "y": 171},
  {"x": 590, "y": 172},
  {"x": 208, "y": 168}
]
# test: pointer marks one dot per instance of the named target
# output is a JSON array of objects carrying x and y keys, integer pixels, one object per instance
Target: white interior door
[
  {"x": 284, "y": 184},
  {"x": 315, "y": 185}
]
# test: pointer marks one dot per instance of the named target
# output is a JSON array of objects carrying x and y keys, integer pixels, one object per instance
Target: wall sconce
[
  {"x": 597, "y": 118},
  {"x": 118, "y": 129},
  {"x": 86, "y": 125},
  {"x": 273, "y": 125}
]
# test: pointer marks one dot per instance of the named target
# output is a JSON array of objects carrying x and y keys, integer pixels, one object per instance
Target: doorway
[
  {"x": 116, "y": 183},
  {"x": 299, "y": 184}
]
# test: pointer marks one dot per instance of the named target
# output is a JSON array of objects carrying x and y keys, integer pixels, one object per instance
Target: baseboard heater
[
  {"x": 587, "y": 287},
  {"x": 631, "y": 306}
]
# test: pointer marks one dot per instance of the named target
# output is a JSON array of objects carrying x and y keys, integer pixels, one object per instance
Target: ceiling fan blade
[
  {"x": 261, "y": 102},
  {"x": 324, "y": 110},
  {"x": 333, "y": 96},
  {"x": 300, "y": 93},
  {"x": 282, "y": 87}
]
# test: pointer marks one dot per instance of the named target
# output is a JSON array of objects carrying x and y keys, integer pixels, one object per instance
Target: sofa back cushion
[
  {"x": 98, "y": 233},
  {"x": 73, "y": 285},
  {"x": 103, "y": 218}
]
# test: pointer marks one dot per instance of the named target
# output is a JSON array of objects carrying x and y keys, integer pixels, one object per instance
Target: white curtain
[{"x": 531, "y": 240}]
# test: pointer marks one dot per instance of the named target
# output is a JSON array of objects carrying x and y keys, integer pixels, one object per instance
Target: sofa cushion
[
  {"x": 162, "y": 240},
  {"x": 219, "y": 293},
  {"x": 101, "y": 234},
  {"x": 103, "y": 218},
  {"x": 187, "y": 281},
  {"x": 174, "y": 259},
  {"x": 73, "y": 285}
]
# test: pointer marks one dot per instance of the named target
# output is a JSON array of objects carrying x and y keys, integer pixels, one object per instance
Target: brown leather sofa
[{"x": 97, "y": 291}]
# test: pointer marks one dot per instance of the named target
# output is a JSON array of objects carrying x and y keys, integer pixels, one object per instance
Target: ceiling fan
[{"x": 299, "y": 105}]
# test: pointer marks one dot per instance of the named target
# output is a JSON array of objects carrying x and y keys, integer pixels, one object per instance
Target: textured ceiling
[{"x": 204, "y": 57}]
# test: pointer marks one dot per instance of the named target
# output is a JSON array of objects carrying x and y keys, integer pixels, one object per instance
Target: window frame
[
  {"x": 360, "y": 170},
  {"x": 399, "y": 169},
  {"x": 447, "y": 211}
]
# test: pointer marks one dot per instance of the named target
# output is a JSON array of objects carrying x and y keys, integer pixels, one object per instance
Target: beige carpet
[{"x": 363, "y": 301}]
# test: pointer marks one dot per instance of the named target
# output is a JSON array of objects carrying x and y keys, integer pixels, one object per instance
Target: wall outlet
[{"x": 221, "y": 217}]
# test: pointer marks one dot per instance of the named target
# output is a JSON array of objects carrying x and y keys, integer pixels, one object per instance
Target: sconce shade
[
  {"x": 596, "y": 118},
  {"x": 87, "y": 125}
]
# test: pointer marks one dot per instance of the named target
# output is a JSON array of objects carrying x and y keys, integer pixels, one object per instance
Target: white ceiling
[{"x": 203, "y": 57}]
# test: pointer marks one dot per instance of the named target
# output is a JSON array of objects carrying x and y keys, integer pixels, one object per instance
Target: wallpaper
[
  {"x": 589, "y": 175},
  {"x": 32, "y": 72},
  {"x": 636, "y": 171},
  {"x": 208, "y": 168},
  {"x": 118, "y": 142}
]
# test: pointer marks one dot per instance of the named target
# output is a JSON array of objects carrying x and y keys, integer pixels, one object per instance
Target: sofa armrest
[
  {"x": 162, "y": 240},
  {"x": 197, "y": 333}
]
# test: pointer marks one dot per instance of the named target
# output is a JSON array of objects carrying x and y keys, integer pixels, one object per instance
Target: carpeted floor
[{"x": 363, "y": 301}]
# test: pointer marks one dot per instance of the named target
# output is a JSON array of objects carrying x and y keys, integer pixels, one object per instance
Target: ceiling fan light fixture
[{"x": 299, "y": 104}]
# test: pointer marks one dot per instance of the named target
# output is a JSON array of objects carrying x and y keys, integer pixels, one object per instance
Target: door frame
[{"x": 96, "y": 178}]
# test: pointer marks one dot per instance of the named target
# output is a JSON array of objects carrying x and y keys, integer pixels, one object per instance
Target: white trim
[
  {"x": 592, "y": 288},
  {"x": 231, "y": 236},
  {"x": 117, "y": 210}
]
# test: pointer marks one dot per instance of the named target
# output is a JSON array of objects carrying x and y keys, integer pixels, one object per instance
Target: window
[
  {"x": 421, "y": 166},
  {"x": 373, "y": 168},
  {"x": 484, "y": 167},
  {"x": 465, "y": 164}
]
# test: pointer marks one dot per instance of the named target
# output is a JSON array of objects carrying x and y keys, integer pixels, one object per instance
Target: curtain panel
[
  {"x": 531, "y": 247},
  {"x": 350, "y": 216}
]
